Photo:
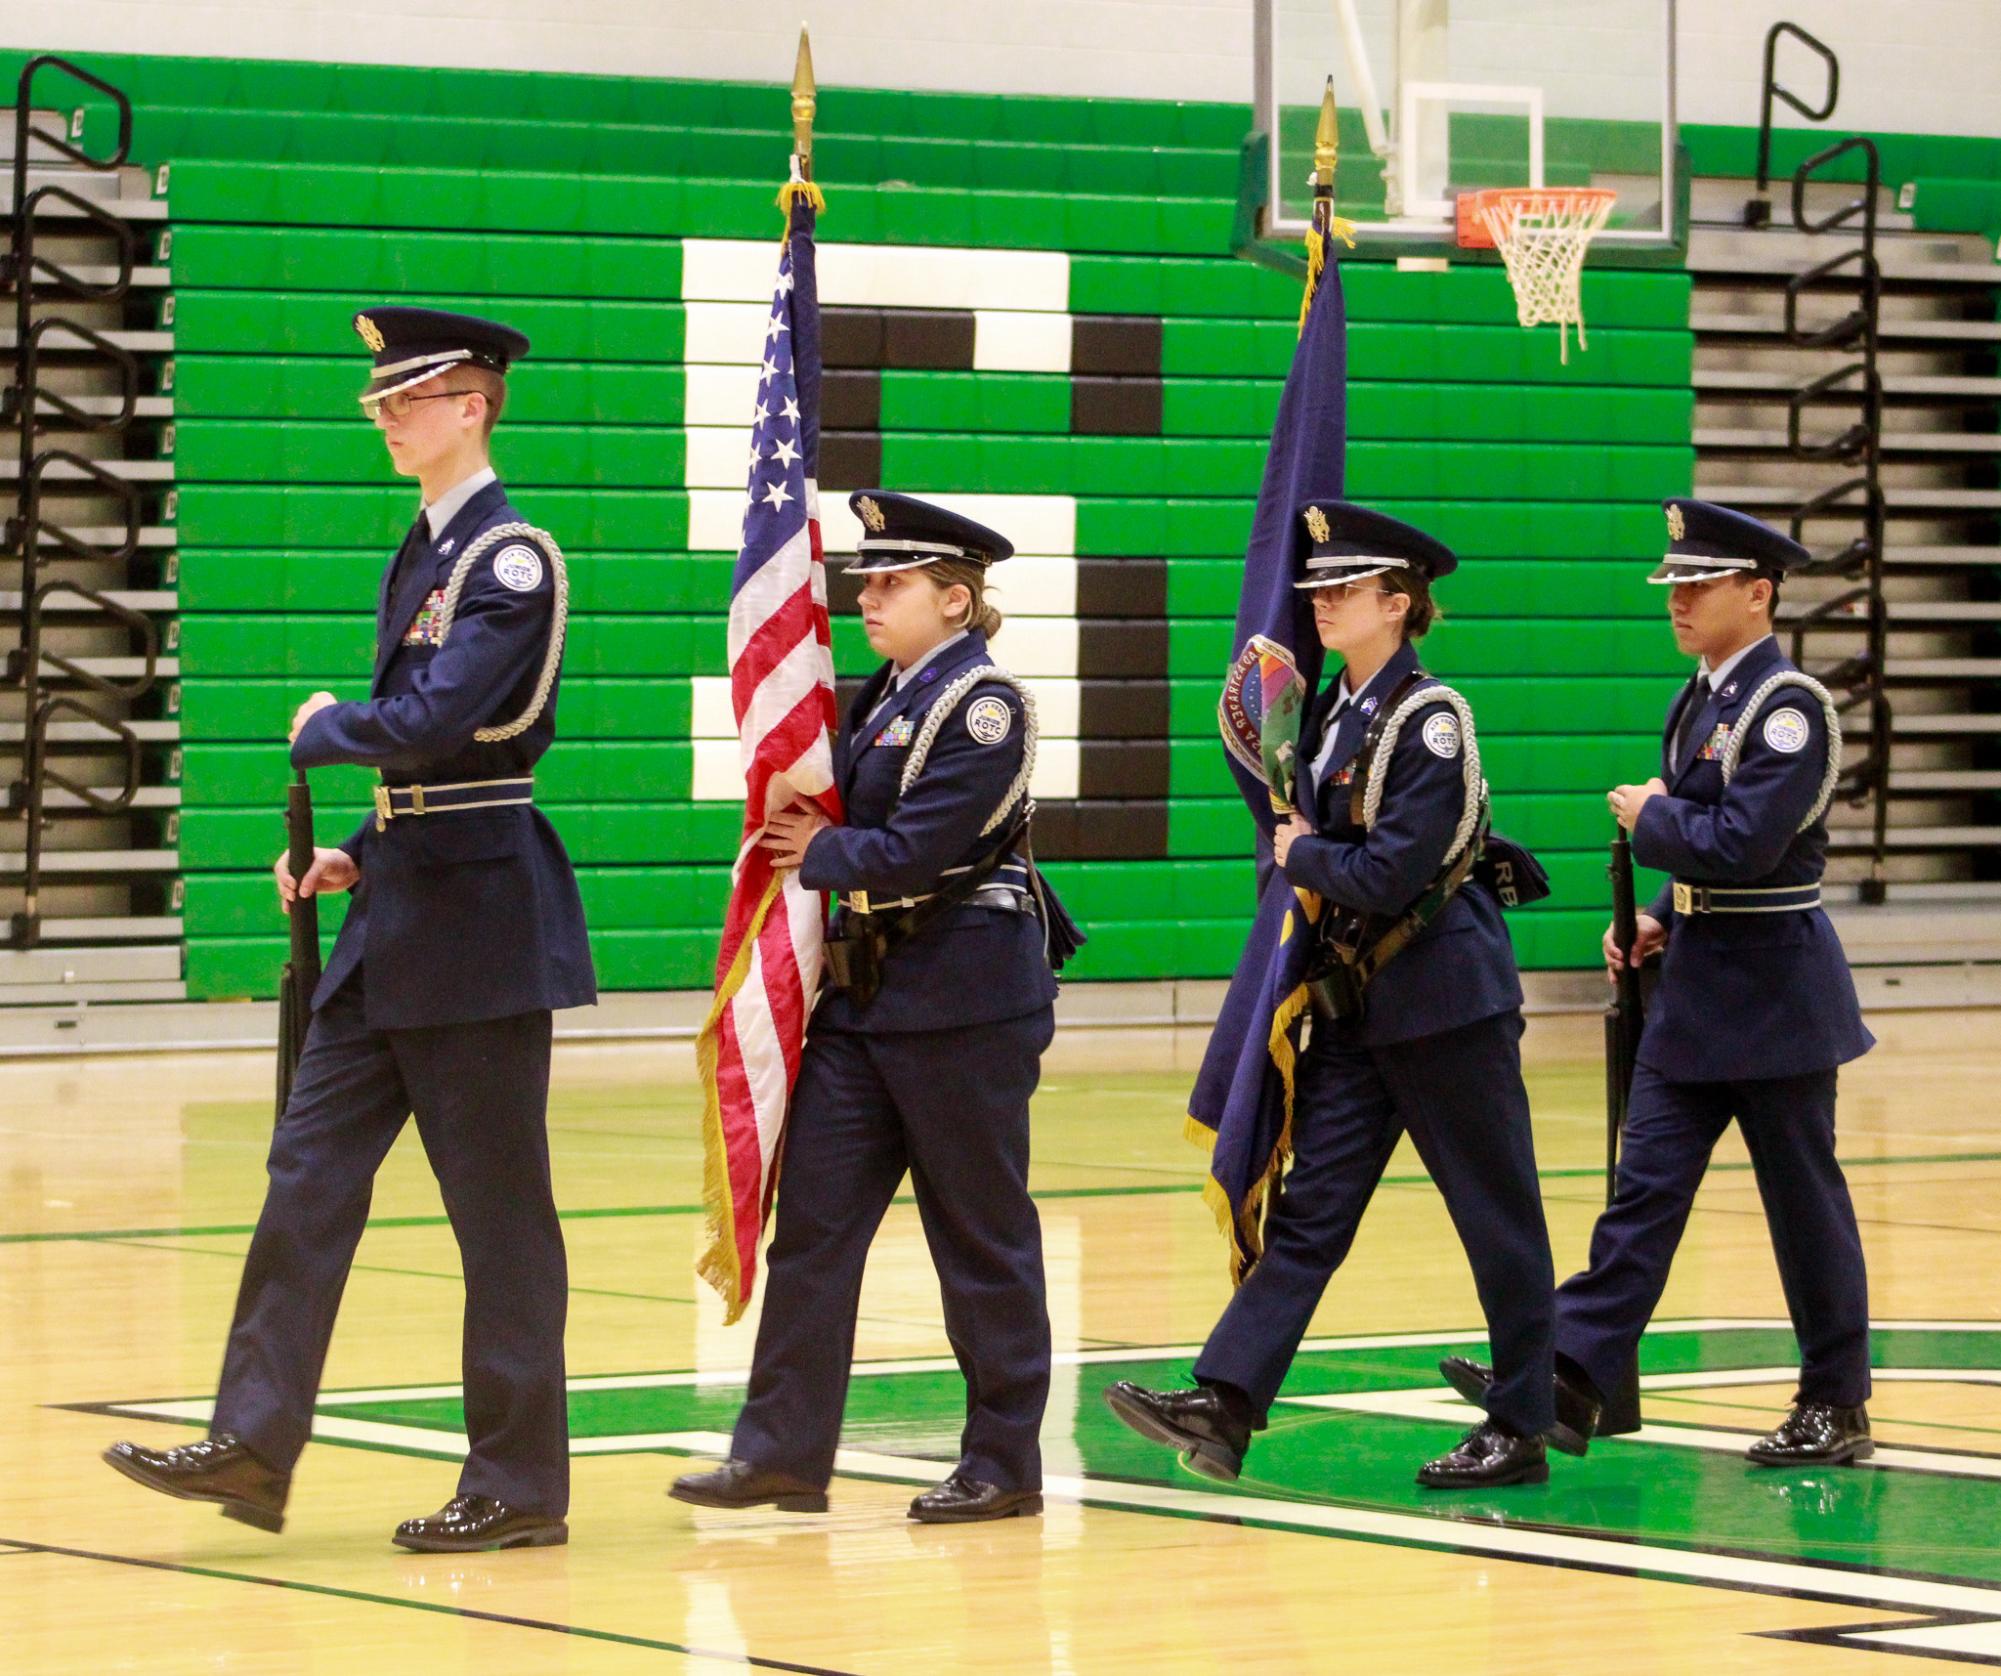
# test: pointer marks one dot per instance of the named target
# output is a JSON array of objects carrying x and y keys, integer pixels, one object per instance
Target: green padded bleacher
[{"x": 300, "y": 193}]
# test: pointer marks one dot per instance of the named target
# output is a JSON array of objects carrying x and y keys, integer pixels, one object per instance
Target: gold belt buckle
[
  {"x": 383, "y": 813},
  {"x": 1684, "y": 898}
]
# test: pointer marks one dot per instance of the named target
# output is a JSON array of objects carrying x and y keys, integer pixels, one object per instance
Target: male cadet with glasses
[
  {"x": 465, "y": 932},
  {"x": 1755, "y": 1007}
]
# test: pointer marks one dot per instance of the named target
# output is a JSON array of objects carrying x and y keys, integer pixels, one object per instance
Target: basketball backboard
[{"x": 1469, "y": 94}]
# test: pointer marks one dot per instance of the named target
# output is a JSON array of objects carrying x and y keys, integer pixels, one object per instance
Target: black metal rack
[
  {"x": 1855, "y": 276},
  {"x": 42, "y": 288}
]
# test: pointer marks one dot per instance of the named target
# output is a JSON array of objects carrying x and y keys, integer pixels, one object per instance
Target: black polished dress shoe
[
  {"x": 219, "y": 1469},
  {"x": 961, "y": 1500},
  {"x": 1485, "y": 1458},
  {"x": 471, "y": 1524},
  {"x": 1577, "y": 1405},
  {"x": 1815, "y": 1434},
  {"x": 739, "y": 1484},
  {"x": 1210, "y": 1431}
]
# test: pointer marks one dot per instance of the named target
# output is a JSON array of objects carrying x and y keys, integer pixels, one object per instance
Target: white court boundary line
[{"x": 1970, "y": 1630}]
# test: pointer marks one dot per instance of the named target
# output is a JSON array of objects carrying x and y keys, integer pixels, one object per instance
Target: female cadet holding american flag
[{"x": 926, "y": 1041}]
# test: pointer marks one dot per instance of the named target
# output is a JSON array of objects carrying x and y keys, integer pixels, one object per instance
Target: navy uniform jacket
[
  {"x": 975, "y": 964},
  {"x": 1461, "y": 967},
  {"x": 1746, "y": 995},
  {"x": 468, "y": 914}
]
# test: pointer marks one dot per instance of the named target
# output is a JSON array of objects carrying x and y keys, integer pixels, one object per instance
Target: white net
[{"x": 1542, "y": 235}]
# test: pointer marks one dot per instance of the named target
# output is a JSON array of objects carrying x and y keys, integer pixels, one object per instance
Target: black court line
[
  {"x": 1837, "y": 1635},
  {"x": 1133, "y": 1190},
  {"x": 1860, "y": 1221},
  {"x": 367, "y": 1598}
]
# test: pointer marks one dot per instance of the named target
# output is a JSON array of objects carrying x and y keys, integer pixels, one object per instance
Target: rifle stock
[{"x": 302, "y": 971}]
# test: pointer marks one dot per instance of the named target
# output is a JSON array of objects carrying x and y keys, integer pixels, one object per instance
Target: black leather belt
[
  {"x": 1716, "y": 899},
  {"x": 392, "y": 802},
  {"x": 998, "y": 894}
]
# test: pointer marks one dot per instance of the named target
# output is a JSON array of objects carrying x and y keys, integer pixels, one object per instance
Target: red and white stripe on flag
[{"x": 782, "y": 684}]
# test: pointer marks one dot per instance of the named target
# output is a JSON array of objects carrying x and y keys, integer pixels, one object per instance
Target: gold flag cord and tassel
[
  {"x": 805, "y": 97},
  {"x": 1326, "y": 224}
]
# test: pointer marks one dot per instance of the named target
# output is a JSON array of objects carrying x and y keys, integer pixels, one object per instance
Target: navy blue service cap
[
  {"x": 900, "y": 532},
  {"x": 1706, "y": 541},
  {"x": 411, "y": 345},
  {"x": 1349, "y": 543}
]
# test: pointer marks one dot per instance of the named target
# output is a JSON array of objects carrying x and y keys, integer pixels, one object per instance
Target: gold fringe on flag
[
  {"x": 1243, "y": 1226},
  {"x": 719, "y": 1264}
]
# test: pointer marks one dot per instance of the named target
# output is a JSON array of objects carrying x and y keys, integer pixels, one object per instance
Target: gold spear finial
[
  {"x": 1326, "y": 224},
  {"x": 805, "y": 95},
  {"x": 1326, "y": 143}
]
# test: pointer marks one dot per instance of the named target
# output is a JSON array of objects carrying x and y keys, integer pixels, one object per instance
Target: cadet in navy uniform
[
  {"x": 465, "y": 931},
  {"x": 1435, "y": 1048},
  {"x": 1755, "y": 1007},
  {"x": 926, "y": 1042}
]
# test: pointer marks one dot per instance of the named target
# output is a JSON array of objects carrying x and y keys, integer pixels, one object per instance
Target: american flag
[{"x": 782, "y": 685}]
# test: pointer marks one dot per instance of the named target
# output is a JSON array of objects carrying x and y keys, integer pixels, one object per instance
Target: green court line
[
  {"x": 1133, "y": 1190},
  {"x": 410, "y": 1274},
  {"x": 368, "y": 1598}
]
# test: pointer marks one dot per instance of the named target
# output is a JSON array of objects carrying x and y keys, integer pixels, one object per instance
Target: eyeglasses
[
  {"x": 397, "y": 403},
  {"x": 1346, "y": 590}
]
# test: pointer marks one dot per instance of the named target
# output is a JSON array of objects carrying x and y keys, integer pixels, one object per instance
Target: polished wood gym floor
[{"x": 127, "y": 1188}]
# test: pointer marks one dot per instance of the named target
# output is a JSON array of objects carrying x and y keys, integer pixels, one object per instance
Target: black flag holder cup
[
  {"x": 302, "y": 970},
  {"x": 1624, "y": 1017}
]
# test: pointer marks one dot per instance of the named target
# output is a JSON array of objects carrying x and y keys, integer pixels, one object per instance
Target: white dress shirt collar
[
  {"x": 1721, "y": 672},
  {"x": 440, "y": 512},
  {"x": 905, "y": 676}
]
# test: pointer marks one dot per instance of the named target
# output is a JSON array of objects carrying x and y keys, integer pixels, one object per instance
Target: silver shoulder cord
[
  {"x": 552, "y": 660},
  {"x": 1469, "y": 753},
  {"x": 927, "y": 734},
  {"x": 940, "y": 712},
  {"x": 1734, "y": 749}
]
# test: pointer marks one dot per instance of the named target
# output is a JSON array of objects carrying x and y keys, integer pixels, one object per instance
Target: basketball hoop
[{"x": 1542, "y": 233}]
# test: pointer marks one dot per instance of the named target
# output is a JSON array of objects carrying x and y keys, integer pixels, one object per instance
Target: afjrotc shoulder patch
[
  {"x": 427, "y": 627},
  {"x": 988, "y": 720}
]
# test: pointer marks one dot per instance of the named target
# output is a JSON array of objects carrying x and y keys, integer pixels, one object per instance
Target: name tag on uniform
[
  {"x": 899, "y": 732},
  {"x": 427, "y": 626},
  {"x": 1713, "y": 746}
]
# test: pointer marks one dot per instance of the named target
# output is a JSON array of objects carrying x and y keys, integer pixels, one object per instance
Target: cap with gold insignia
[
  {"x": 1707, "y": 541},
  {"x": 412, "y": 345},
  {"x": 1349, "y": 543},
  {"x": 900, "y": 532}
]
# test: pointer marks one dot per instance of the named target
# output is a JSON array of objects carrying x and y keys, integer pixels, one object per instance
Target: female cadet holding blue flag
[
  {"x": 1416, "y": 1021},
  {"x": 926, "y": 1042}
]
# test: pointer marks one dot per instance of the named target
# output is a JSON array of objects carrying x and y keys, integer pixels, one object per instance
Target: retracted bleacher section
[{"x": 1030, "y": 301}]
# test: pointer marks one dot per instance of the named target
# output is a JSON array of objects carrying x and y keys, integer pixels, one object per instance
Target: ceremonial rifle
[
  {"x": 1624, "y": 1017},
  {"x": 302, "y": 971},
  {"x": 1625, "y": 1014}
]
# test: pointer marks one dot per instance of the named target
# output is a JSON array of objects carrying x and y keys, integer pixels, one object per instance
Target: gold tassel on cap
[
  {"x": 1326, "y": 155},
  {"x": 805, "y": 97}
]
